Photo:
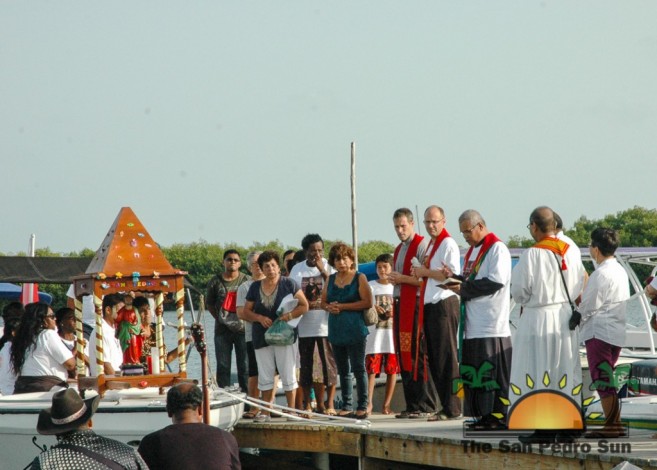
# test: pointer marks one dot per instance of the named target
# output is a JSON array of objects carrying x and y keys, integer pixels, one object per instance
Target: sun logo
[{"x": 546, "y": 408}]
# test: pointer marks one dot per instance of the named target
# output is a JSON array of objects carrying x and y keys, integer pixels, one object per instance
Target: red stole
[
  {"x": 489, "y": 240},
  {"x": 556, "y": 246},
  {"x": 420, "y": 320},
  {"x": 407, "y": 300}
]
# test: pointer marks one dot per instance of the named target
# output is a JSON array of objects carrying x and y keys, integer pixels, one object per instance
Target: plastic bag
[{"x": 280, "y": 334}]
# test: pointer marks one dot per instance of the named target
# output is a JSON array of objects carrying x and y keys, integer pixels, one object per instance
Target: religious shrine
[{"x": 128, "y": 260}]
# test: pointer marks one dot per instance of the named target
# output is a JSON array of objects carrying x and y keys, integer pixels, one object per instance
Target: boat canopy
[{"x": 43, "y": 269}]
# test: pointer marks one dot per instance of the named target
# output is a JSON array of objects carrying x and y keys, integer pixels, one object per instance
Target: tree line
[{"x": 202, "y": 260}]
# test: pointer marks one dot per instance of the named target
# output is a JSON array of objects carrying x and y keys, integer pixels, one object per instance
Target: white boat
[
  {"x": 131, "y": 405},
  {"x": 125, "y": 415},
  {"x": 639, "y": 409}
]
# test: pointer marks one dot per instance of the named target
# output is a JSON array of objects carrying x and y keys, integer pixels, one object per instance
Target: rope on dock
[{"x": 276, "y": 409}]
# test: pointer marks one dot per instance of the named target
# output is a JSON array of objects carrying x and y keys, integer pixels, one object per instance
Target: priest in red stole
[
  {"x": 484, "y": 333},
  {"x": 419, "y": 391},
  {"x": 440, "y": 310}
]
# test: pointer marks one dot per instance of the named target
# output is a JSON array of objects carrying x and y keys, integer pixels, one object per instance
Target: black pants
[
  {"x": 420, "y": 394},
  {"x": 441, "y": 323}
]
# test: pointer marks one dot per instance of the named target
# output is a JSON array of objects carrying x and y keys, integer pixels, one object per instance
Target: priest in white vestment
[{"x": 544, "y": 344}]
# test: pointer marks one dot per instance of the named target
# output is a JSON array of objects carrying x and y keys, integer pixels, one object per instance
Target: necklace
[{"x": 342, "y": 281}]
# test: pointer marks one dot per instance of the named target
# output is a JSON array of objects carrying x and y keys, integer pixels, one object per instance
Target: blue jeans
[
  {"x": 224, "y": 341},
  {"x": 352, "y": 358}
]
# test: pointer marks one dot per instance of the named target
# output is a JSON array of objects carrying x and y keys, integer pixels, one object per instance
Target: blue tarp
[{"x": 10, "y": 291}]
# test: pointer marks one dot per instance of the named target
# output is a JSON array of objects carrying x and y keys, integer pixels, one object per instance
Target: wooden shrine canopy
[{"x": 129, "y": 260}]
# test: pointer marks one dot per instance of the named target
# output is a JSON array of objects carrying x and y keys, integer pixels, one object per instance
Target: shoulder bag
[{"x": 575, "y": 317}]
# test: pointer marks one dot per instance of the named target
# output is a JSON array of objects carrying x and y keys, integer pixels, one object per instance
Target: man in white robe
[{"x": 544, "y": 344}]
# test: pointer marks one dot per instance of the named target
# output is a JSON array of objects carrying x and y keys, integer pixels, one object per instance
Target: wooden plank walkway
[{"x": 443, "y": 444}]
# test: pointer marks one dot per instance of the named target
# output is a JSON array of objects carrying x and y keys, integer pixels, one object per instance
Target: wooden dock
[{"x": 411, "y": 444}]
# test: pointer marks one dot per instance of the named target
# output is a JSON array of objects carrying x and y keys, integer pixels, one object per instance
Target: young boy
[{"x": 380, "y": 348}]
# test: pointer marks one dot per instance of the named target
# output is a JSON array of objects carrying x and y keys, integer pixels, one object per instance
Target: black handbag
[{"x": 575, "y": 317}]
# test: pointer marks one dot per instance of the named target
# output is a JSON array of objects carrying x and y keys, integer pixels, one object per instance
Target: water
[{"x": 194, "y": 361}]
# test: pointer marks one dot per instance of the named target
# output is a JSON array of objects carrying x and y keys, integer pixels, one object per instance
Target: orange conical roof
[{"x": 128, "y": 248}]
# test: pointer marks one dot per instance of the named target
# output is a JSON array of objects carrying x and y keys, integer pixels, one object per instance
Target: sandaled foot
[
  {"x": 330, "y": 412},
  {"x": 387, "y": 411},
  {"x": 346, "y": 414},
  {"x": 361, "y": 414},
  {"x": 250, "y": 414}
]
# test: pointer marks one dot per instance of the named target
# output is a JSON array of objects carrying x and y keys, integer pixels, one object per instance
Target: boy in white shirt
[{"x": 380, "y": 349}]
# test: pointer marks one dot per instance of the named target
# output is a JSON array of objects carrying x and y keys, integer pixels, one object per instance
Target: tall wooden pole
[{"x": 354, "y": 224}]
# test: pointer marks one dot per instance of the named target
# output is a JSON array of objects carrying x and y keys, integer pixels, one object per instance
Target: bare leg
[
  {"x": 253, "y": 392},
  {"x": 320, "y": 388},
  {"x": 267, "y": 395},
  {"x": 298, "y": 401},
  {"x": 291, "y": 396},
  {"x": 273, "y": 395},
  {"x": 391, "y": 381},
  {"x": 330, "y": 397},
  {"x": 304, "y": 395},
  {"x": 371, "y": 380}
]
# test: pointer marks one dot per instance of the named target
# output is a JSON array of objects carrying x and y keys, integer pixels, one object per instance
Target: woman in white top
[
  {"x": 7, "y": 376},
  {"x": 603, "y": 310},
  {"x": 38, "y": 355}
]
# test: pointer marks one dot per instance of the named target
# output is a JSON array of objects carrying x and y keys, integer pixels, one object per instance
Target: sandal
[
  {"x": 361, "y": 415},
  {"x": 330, "y": 412},
  {"x": 250, "y": 414},
  {"x": 346, "y": 414}
]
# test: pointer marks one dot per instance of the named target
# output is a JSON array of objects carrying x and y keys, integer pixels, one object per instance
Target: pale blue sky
[{"x": 232, "y": 120}]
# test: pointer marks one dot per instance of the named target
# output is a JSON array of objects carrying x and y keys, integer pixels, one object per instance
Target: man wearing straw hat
[{"x": 78, "y": 446}]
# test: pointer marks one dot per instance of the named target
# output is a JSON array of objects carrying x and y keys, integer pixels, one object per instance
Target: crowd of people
[{"x": 442, "y": 325}]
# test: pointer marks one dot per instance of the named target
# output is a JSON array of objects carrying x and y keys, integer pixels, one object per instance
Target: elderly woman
[
  {"x": 345, "y": 296},
  {"x": 38, "y": 355},
  {"x": 262, "y": 302},
  {"x": 603, "y": 310}
]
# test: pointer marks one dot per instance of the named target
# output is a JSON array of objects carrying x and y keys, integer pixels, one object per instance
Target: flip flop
[
  {"x": 346, "y": 414},
  {"x": 330, "y": 412}
]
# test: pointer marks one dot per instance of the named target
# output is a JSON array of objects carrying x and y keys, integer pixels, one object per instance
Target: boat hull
[{"x": 126, "y": 415}]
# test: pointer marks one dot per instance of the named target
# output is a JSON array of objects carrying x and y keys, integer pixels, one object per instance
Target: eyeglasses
[
  {"x": 470, "y": 230},
  {"x": 50, "y": 315},
  {"x": 432, "y": 222},
  {"x": 232, "y": 260}
]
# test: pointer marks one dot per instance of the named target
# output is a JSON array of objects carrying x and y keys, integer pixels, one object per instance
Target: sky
[{"x": 232, "y": 121}]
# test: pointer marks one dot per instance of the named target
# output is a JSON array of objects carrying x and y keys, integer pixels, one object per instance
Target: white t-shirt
[
  {"x": 314, "y": 323},
  {"x": 488, "y": 316},
  {"x": 47, "y": 356},
  {"x": 240, "y": 302},
  {"x": 88, "y": 308},
  {"x": 380, "y": 339},
  {"x": 112, "y": 351},
  {"x": 7, "y": 377},
  {"x": 604, "y": 304},
  {"x": 448, "y": 253}
]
